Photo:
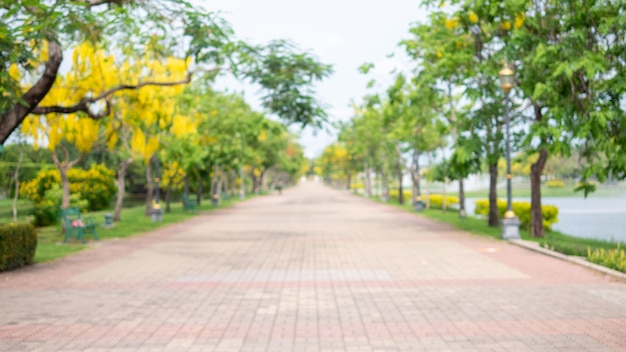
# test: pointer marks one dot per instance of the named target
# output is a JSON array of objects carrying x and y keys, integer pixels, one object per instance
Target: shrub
[
  {"x": 522, "y": 210},
  {"x": 394, "y": 195},
  {"x": 436, "y": 201},
  {"x": 357, "y": 185},
  {"x": 555, "y": 184},
  {"x": 46, "y": 212},
  {"x": 18, "y": 243},
  {"x": 96, "y": 185},
  {"x": 611, "y": 258}
]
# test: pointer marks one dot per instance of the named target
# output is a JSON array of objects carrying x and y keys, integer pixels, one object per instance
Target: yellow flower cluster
[
  {"x": 473, "y": 18},
  {"x": 96, "y": 185},
  {"x": 452, "y": 23},
  {"x": 147, "y": 111},
  {"x": 519, "y": 20}
]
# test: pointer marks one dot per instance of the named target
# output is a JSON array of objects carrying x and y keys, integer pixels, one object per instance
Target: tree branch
[
  {"x": 12, "y": 118},
  {"x": 83, "y": 104}
]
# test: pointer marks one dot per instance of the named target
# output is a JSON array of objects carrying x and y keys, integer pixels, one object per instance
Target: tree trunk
[
  {"x": 225, "y": 182},
  {"x": 368, "y": 181},
  {"x": 264, "y": 180},
  {"x": 385, "y": 184},
  {"x": 186, "y": 186},
  {"x": 415, "y": 176},
  {"x": 536, "y": 217},
  {"x": 348, "y": 182},
  {"x": 65, "y": 185},
  {"x": 462, "y": 198},
  {"x": 149, "y": 186},
  {"x": 199, "y": 191},
  {"x": 444, "y": 205},
  {"x": 233, "y": 184},
  {"x": 121, "y": 188},
  {"x": 17, "y": 182},
  {"x": 493, "y": 195},
  {"x": 11, "y": 119},
  {"x": 168, "y": 198},
  {"x": 400, "y": 189}
]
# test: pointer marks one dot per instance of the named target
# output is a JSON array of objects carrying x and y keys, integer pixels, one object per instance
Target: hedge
[
  {"x": 522, "y": 210},
  {"x": 18, "y": 243},
  {"x": 436, "y": 200},
  {"x": 555, "y": 184}
]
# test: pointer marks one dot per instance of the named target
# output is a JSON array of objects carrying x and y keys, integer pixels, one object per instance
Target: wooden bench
[
  {"x": 77, "y": 226},
  {"x": 189, "y": 203}
]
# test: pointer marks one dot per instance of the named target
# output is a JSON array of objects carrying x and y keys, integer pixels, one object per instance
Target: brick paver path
[{"x": 312, "y": 270}]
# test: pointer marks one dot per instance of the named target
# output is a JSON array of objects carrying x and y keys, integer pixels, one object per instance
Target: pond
[{"x": 594, "y": 217}]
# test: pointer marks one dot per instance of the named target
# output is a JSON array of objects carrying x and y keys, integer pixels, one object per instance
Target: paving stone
[{"x": 314, "y": 269}]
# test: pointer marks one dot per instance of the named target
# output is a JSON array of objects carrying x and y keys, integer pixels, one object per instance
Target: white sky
[{"x": 344, "y": 33}]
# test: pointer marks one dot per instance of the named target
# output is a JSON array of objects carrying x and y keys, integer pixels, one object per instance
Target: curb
[{"x": 534, "y": 246}]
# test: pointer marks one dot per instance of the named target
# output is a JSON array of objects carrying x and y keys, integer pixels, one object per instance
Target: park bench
[
  {"x": 76, "y": 225},
  {"x": 189, "y": 203}
]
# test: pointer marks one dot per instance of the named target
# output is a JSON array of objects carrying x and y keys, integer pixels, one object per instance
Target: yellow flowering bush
[
  {"x": 555, "y": 184},
  {"x": 521, "y": 210},
  {"x": 436, "y": 200},
  {"x": 96, "y": 185}
]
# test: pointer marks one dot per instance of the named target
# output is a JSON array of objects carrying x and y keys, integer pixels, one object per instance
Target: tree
[{"x": 285, "y": 75}]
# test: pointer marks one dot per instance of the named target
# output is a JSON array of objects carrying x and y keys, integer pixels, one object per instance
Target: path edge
[{"x": 535, "y": 247}]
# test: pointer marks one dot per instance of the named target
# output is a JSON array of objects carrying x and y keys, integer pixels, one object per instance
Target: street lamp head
[{"x": 507, "y": 78}]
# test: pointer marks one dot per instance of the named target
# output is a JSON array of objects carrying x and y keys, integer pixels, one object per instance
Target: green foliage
[
  {"x": 46, "y": 212},
  {"x": 521, "y": 210},
  {"x": 95, "y": 185},
  {"x": 18, "y": 243},
  {"x": 611, "y": 258},
  {"x": 287, "y": 78},
  {"x": 555, "y": 184}
]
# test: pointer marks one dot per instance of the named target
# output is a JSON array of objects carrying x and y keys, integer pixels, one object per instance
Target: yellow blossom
[
  {"x": 519, "y": 20},
  {"x": 451, "y": 23},
  {"x": 473, "y": 17}
]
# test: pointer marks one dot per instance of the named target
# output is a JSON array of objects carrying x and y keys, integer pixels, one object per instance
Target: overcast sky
[{"x": 344, "y": 33}]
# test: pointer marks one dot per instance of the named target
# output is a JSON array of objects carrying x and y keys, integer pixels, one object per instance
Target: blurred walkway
[{"x": 312, "y": 270}]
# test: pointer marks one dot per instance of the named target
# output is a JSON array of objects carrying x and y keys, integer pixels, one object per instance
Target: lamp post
[{"x": 510, "y": 223}]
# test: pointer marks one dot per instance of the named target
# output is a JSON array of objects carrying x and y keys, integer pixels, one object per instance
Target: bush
[
  {"x": 18, "y": 243},
  {"x": 394, "y": 195},
  {"x": 357, "y": 185},
  {"x": 46, "y": 212},
  {"x": 436, "y": 200},
  {"x": 611, "y": 258},
  {"x": 96, "y": 185},
  {"x": 522, "y": 210},
  {"x": 555, "y": 184}
]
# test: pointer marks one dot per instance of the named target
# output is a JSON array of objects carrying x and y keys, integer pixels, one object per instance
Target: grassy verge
[
  {"x": 554, "y": 240},
  {"x": 50, "y": 245},
  {"x": 523, "y": 191}
]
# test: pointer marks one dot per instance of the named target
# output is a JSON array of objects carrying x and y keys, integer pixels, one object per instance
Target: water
[{"x": 594, "y": 217}]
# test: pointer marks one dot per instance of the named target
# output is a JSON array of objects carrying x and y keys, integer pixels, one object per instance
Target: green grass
[
  {"x": 554, "y": 240},
  {"x": 523, "y": 191},
  {"x": 134, "y": 222}
]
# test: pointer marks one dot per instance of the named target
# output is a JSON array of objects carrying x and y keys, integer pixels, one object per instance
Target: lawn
[
  {"x": 134, "y": 222},
  {"x": 555, "y": 240},
  {"x": 523, "y": 191}
]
